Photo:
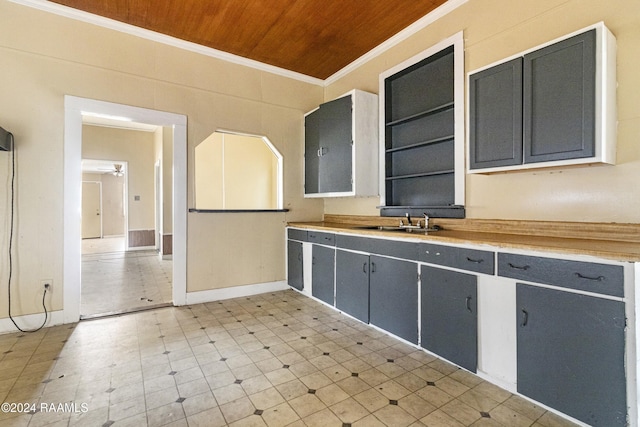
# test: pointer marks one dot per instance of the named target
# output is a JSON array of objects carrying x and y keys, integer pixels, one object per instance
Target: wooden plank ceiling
[{"x": 313, "y": 37}]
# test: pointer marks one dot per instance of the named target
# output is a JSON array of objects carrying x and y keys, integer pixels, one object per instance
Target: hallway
[{"x": 114, "y": 281}]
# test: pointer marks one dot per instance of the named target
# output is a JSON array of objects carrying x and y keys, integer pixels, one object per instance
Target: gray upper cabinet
[
  {"x": 340, "y": 156},
  {"x": 495, "y": 116},
  {"x": 552, "y": 106},
  {"x": 559, "y": 100}
]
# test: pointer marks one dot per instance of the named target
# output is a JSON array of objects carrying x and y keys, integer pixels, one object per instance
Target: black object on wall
[{"x": 5, "y": 137}]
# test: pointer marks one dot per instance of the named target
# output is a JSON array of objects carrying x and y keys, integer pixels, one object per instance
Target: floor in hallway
[
  {"x": 118, "y": 281},
  {"x": 277, "y": 359}
]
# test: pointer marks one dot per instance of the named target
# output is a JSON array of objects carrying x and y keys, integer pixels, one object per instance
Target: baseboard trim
[
  {"x": 28, "y": 322},
  {"x": 235, "y": 292}
]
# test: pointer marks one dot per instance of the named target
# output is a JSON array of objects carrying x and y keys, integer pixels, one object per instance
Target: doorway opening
[{"x": 80, "y": 119}]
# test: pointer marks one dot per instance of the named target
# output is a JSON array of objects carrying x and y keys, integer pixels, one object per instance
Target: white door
[{"x": 91, "y": 210}]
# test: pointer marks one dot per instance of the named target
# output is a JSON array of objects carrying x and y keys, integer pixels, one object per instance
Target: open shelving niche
[{"x": 422, "y": 133}]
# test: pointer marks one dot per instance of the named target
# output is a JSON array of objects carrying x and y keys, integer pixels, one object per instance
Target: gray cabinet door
[
  {"x": 335, "y": 170},
  {"x": 449, "y": 319},
  {"x": 393, "y": 297},
  {"x": 495, "y": 116},
  {"x": 571, "y": 354},
  {"x": 559, "y": 100},
  {"x": 352, "y": 284},
  {"x": 322, "y": 272},
  {"x": 294, "y": 264},
  {"x": 328, "y": 148}
]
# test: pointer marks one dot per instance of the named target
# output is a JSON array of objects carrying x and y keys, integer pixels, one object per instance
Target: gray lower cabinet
[
  {"x": 449, "y": 318},
  {"x": 295, "y": 273},
  {"x": 352, "y": 284},
  {"x": 322, "y": 269},
  {"x": 393, "y": 296},
  {"x": 570, "y": 353}
]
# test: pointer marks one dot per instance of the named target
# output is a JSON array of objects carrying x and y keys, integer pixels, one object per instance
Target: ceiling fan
[{"x": 118, "y": 170}]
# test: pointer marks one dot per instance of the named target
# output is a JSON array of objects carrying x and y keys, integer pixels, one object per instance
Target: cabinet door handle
[
  {"x": 525, "y": 318},
  {"x": 519, "y": 267},
  {"x": 597, "y": 279},
  {"x": 477, "y": 261},
  {"x": 373, "y": 267},
  {"x": 299, "y": 257},
  {"x": 469, "y": 305},
  {"x": 364, "y": 267},
  {"x": 322, "y": 151}
]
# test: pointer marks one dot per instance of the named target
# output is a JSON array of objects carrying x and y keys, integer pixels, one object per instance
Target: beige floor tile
[
  {"x": 416, "y": 406},
  {"x": 371, "y": 399},
  {"x": 292, "y": 389},
  {"x": 280, "y": 415},
  {"x": 439, "y": 418},
  {"x": 392, "y": 390},
  {"x": 434, "y": 395},
  {"x": 353, "y": 385},
  {"x": 237, "y": 409},
  {"x": 198, "y": 403},
  {"x": 266, "y": 399},
  {"x": 478, "y": 401},
  {"x": 369, "y": 421},
  {"x": 322, "y": 418},
  {"x": 451, "y": 386},
  {"x": 507, "y": 416},
  {"x": 349, "y": 410},
  {"x": 331, "y": 394},
  {"x": 210, "y": 418},
  {"x": 461, "y": 412},
  {"x": 306, "y": 405},
  {"x": 393, "y": 415}
]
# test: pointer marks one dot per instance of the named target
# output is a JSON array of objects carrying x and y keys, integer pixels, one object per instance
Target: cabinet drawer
[
  {"x": 585, "y": 276},
  {"x": 321, "y": 238},
  {"x": 465, "y": 259},
  {"x": 392, "y": 248},
  {"x": 294, "y": 234}
]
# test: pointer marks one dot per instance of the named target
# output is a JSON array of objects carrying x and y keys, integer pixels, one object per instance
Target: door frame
[{"x": 75, "y": 107}]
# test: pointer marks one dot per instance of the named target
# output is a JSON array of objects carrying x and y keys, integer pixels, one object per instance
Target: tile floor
[
  {"x": 118, "y": 282},
  {"x": 275, "y": 359}
]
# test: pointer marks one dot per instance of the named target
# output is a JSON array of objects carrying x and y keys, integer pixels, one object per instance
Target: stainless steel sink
[{"x": 404, "y": 229}]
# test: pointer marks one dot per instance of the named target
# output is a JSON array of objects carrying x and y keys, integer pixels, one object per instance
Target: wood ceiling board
[{"x": 312, "y": 37}]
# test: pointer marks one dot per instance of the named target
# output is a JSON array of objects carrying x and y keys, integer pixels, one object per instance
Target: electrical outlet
[{"x": 47, "y": 284}]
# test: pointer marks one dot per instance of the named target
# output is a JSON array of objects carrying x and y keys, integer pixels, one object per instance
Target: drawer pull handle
[
  {"x": 469, "y": 305},
  {"x": 525, "y": 318},
  {"x": 477, "y": 261},
  {"x": 519, "y": 267},
  {"x": 596, "y": 279}
]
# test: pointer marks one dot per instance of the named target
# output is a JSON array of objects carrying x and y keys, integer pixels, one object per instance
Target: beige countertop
[{"x": 621, "y": 247}]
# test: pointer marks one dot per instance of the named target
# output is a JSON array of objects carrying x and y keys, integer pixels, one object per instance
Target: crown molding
[{"x": 112, "y": 24}]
